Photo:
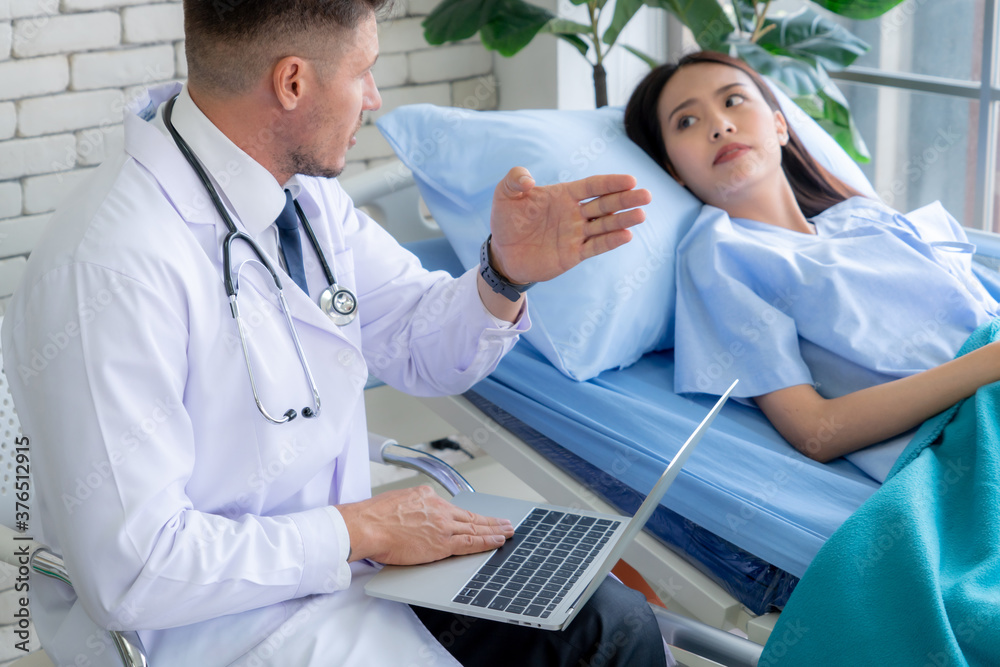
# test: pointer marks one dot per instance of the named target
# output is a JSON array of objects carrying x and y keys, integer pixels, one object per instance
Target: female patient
[{"x": 840, "y": 316}]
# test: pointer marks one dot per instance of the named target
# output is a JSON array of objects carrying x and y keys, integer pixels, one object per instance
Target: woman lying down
[{"x": 840, "y": 316}]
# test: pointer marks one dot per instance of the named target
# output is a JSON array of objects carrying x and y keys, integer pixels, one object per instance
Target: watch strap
[{"x": 497, "y": 282}]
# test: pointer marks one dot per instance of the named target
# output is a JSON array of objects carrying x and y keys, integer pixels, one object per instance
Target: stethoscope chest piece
[{"x": 339, "y": 304}]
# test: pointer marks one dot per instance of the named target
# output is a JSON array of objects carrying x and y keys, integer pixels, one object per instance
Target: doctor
[{"x": 182, "y": 511}]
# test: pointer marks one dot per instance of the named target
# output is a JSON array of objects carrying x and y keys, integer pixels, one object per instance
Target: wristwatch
[{"x": 494, "y": 279}]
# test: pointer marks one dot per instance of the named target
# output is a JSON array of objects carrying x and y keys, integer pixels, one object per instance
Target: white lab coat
[{"x": 179, "y": 510}]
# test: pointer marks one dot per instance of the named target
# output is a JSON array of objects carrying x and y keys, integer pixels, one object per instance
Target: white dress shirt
[{"x": 179, "y": 510}]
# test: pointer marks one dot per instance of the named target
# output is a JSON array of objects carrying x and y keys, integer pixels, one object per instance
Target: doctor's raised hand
[{"x": 540, "y": 232}]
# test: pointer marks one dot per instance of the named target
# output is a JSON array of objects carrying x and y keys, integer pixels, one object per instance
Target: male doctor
[{"x": 183, "y": 512}]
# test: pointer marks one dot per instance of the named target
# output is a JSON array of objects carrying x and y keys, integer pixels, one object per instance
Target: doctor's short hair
[
  {"x": 230, "y": 44},
  {"x": 815, "y": 188}
]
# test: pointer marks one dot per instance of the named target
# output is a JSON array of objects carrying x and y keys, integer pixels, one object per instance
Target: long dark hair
[{"x": 814, "y": 187}]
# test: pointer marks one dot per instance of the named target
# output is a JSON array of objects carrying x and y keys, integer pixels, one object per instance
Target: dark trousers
[{"x": 615, "y": 627}]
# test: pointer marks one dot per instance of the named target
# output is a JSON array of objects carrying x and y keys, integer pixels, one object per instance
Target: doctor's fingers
[
  {"x": 614, "y": 202},
  {"x": 470, "y": 523},
  {"x": 598, "y": 186}
]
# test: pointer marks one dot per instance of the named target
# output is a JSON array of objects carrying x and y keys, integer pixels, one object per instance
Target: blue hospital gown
[{"x": 872, "y": 296}]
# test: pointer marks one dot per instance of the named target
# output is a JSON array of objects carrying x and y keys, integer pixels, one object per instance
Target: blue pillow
[
  {"x": 611, "y": 309},
  {"x": 607, "y": 311}
]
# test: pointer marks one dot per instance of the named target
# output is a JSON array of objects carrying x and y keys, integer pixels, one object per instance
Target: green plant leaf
[
  {"x": 515, "y": 27},
  {"x": 581, "y": 45},
  {"x": 813, "y": 90},
  {"x": 506, "y": 26},
  {"x": 624, "y": 11},
  {"x": 798, "y": 77},
  {"x": 745, "y": 14},
  {"x": 560, "y": 26},
  {"x": 569, "y": 31},
  {"x": 808, "y": 36},
  {"x": 648, "y": 59},
  {"x": 834, "y": 116},
  {"x": 705, "y": 18},
  {"x": 454, "y": 20},
  {"x": 858, "y": 9}
]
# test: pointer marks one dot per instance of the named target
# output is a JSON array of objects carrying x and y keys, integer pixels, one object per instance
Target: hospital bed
[{"x": 747, "y": 514}]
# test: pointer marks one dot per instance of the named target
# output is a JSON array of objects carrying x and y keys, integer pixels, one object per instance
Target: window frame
[{"x": 985, "y": 91}]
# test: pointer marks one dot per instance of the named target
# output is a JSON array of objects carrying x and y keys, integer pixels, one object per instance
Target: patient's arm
[
  {"x": 411, "y": 526},
  {"x": 824, "y": 429}
]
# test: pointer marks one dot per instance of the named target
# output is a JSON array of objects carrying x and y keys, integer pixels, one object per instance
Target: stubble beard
[{"x": 303, "y": 160}]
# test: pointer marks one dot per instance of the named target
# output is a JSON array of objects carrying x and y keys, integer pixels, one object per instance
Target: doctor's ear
[{"x": 288, "y": 81}]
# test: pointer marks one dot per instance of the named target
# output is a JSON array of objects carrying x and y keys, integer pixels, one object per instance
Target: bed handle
[
  {"x": 388, "y": 451},
  {"x": 705, "y": 641}
]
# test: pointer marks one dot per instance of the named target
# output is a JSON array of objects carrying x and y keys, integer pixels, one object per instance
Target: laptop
[{"x": 542, "y": 576}]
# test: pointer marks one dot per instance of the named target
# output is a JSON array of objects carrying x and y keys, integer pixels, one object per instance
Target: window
[{"x": 925, "y": 99}]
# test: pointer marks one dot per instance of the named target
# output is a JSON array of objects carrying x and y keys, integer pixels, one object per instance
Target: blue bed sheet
[{"x": 743, "y": 483}]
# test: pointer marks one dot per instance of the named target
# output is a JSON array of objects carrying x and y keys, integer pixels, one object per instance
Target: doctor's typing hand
[
  {"x": 540, "y": 232},
  {"x": 412, "y": 526}
]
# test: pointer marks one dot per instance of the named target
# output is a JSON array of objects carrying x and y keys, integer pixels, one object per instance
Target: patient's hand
[
  {"x": 540, "y": 232},
  {"x": 416, "y": 525}
]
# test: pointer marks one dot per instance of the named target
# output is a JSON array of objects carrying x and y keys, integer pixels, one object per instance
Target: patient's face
[{"x": 720, "y": 134}]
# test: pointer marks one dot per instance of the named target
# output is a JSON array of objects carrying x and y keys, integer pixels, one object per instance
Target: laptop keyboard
[{"x": 532, "y": 572}]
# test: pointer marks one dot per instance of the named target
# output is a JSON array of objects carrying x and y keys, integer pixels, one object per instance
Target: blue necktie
[{"x": 291, "y": 245}]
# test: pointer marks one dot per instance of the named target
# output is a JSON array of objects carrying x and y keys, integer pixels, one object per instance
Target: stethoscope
[{"x": 339, "y": 304}]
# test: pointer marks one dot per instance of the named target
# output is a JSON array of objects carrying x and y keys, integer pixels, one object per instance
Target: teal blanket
[{"x": 913, "y": 577}]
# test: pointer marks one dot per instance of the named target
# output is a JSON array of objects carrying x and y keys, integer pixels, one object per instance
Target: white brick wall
[
  {"x": 67, "y": 67},
  {"x": 8, "y": 120},
  {"x": 59, "y": 34},
  {"x": 6, "y": 39},
  {"x": 153, "y": 23},
  {"x": 88, "y": 5},
  {"x": 42, "y": 155},
  {"x": 22, "y": 8},
  {"x": 43, "y": 193},
  {"x": 10, "y": 199},
  {"x": 70, "y": 111},
  {"x": 449, "y": 62},
  {"x": 33, "y": 76},
  {"x": 107, "y": 69}
]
